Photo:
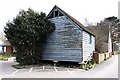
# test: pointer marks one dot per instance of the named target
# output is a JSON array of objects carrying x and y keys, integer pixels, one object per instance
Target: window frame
[{"x": 90, "y": 39}]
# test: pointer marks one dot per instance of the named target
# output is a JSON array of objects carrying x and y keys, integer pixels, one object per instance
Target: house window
[
  {"x": 56, "y": 13},
  {"x": 90, "y": 39}
]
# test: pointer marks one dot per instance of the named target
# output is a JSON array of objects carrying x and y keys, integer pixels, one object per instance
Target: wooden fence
[{"x": 100, "y": 57}]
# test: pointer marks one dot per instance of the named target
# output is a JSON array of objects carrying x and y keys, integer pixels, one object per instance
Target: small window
[
  {"x": 90, "y": 39},
  {"x": 56, "y": 13}
]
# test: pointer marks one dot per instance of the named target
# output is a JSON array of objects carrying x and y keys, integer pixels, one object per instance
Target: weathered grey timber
[{"x": 66, "y": 42}]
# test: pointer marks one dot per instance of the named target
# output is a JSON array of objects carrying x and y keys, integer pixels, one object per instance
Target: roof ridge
[{"x": 73, "y": 19}]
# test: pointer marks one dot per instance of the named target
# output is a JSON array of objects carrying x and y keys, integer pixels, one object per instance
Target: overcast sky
[{"x": 93, "y": 10}]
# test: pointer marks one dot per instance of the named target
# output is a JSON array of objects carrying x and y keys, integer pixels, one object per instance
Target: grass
[{"x": 3, "y": 57}]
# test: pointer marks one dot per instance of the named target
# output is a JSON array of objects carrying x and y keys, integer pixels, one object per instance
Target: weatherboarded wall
[
  {"x": 65, "y": 43},
  {"x": 88, "y": 46}
]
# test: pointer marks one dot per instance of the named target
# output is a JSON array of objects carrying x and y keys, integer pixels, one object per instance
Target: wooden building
[
  {"x": 8, "y": 47},
  {"x": 70, "y": 41}
]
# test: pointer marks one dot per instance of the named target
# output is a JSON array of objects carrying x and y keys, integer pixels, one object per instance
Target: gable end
[{"x": 56, "y": 8}]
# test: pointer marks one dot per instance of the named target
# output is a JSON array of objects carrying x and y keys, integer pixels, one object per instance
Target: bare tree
[
  {"x": 101, "y": 30},
  {"x": 88, "y": 23}
]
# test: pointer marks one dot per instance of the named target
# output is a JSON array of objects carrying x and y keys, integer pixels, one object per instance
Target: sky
[{"x": 92, "y": 10}]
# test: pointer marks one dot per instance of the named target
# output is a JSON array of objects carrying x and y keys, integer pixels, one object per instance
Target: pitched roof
[
  {"x": 6, "y": 43},
  {"x": 1, "y": 42},
  {"x": 73, "y": 19}
]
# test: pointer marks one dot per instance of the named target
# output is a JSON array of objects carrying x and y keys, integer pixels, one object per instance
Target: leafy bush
[
  {"x": 2, "y": 57},
  {"x": 28, "y": 33},
  {"x": 5, "y": 56}
]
